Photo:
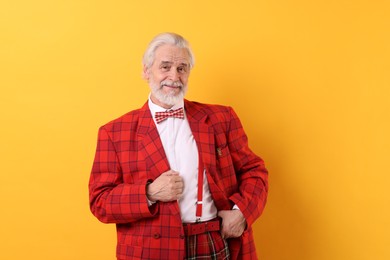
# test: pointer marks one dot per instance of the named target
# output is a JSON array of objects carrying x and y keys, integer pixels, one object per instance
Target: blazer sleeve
[
  {"x": 112, "y": 200},
  {"x": 251, "y": 174}
]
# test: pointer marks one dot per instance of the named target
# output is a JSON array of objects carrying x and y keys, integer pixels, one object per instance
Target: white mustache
[{"x": 171, "y": 83}]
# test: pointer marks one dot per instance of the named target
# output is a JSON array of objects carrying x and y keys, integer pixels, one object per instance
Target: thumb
[{"x": 222, "y": 213}]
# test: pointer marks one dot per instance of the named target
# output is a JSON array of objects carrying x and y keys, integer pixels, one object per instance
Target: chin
[{"x": 169, "y": 99}]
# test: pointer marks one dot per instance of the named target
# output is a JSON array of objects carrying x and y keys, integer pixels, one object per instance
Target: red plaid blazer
[{"x": 130, "y": 153}]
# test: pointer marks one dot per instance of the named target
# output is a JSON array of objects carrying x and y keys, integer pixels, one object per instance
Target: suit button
[
  {"x": 156, "y": 235},
  {"x": 182, "y": 236}
]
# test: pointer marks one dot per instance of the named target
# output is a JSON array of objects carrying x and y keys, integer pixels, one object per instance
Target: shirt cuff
[
  {"x": 150, "y": 203},
  {"x": 235, "y": 207}
]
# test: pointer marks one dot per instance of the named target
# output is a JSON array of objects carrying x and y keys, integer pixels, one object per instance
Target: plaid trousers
[{"x": 209, "y": 245}]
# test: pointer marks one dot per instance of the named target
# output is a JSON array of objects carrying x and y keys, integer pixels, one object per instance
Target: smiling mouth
[{"x": 174, "y": 87}]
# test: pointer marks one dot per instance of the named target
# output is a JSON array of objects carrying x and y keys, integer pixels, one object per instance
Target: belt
[{"x": 191, "y": 229}]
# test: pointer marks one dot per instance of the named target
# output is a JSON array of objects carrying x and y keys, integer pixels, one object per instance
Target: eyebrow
[
  {"x": 166, "y": 62},
  {"x": 170, "y": 63}
]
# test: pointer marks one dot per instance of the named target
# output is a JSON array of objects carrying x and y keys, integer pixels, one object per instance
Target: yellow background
[{"x": 309, "y": 80}]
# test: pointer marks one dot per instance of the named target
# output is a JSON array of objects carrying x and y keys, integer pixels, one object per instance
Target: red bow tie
[{"x": 161, "y": 116}]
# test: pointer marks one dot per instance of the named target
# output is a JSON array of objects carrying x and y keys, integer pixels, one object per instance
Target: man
[{"x": 177, "y": 177}]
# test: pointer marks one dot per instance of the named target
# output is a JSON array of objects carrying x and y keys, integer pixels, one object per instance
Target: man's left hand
[{"x": 233, "y": 223}]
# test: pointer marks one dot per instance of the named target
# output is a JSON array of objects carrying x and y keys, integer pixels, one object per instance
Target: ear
[{"x": 145, "y": 73}]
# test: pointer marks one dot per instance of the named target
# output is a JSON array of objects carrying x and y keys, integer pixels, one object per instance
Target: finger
[
  {"x": 225, "y": 234},
  {"x": 177, "y": 178},
  {"x": 177, "y": 193},
  {"x": 179, "y": 184},
  {"x": 178, "y": 196},
  {"x": 170, "y": 173}
]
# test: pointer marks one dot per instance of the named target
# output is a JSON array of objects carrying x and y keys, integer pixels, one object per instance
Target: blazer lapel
[
  {"x": 150, "y": 144},
  {"x": 151, "y": 147},
  {"x": 203, "y": 134},
  {"x": 202, "y": 131}
]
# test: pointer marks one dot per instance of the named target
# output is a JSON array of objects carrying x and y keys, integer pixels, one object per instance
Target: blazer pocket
[
  {"x": 223, "y": 156},
  {"x": 221, "y": 150}
]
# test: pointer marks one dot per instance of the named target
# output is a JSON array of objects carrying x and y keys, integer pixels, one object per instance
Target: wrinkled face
[{"x": 168, "y": 75}]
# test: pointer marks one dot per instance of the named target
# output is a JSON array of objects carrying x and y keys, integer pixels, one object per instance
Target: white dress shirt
[{"x": 182, "y": 154}]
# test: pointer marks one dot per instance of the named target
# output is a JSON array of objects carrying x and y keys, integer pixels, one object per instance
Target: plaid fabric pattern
[
  {"x": 129, "y": 153},
  {"x": 161, "y": 116},
  {"x": 209, "y": 245}
]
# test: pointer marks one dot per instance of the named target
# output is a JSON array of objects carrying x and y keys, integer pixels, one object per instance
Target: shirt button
[{"x": 156, "y": 235}]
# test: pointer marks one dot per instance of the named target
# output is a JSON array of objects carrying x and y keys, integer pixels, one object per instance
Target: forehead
[{"x": 171, "y": 53}]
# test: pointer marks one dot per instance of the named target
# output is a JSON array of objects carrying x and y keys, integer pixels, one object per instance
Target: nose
[{"x": 174, "y": 75}]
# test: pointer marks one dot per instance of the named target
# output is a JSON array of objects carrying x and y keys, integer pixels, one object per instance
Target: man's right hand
[{"x": 167, "y": 187}]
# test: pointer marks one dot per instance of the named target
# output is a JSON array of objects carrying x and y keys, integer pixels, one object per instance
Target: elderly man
[{"x": 177, "y": 177}]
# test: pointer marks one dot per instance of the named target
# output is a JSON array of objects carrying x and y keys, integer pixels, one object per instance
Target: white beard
[{"x": 169, "y": 98}]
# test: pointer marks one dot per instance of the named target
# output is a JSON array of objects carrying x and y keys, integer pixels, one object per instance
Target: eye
[
  {"x": 165, "y": 67},
  {"x": 182, "y": 69}
]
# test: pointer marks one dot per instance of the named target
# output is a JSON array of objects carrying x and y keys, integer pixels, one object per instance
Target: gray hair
[{"x": 162, "y": 39}]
